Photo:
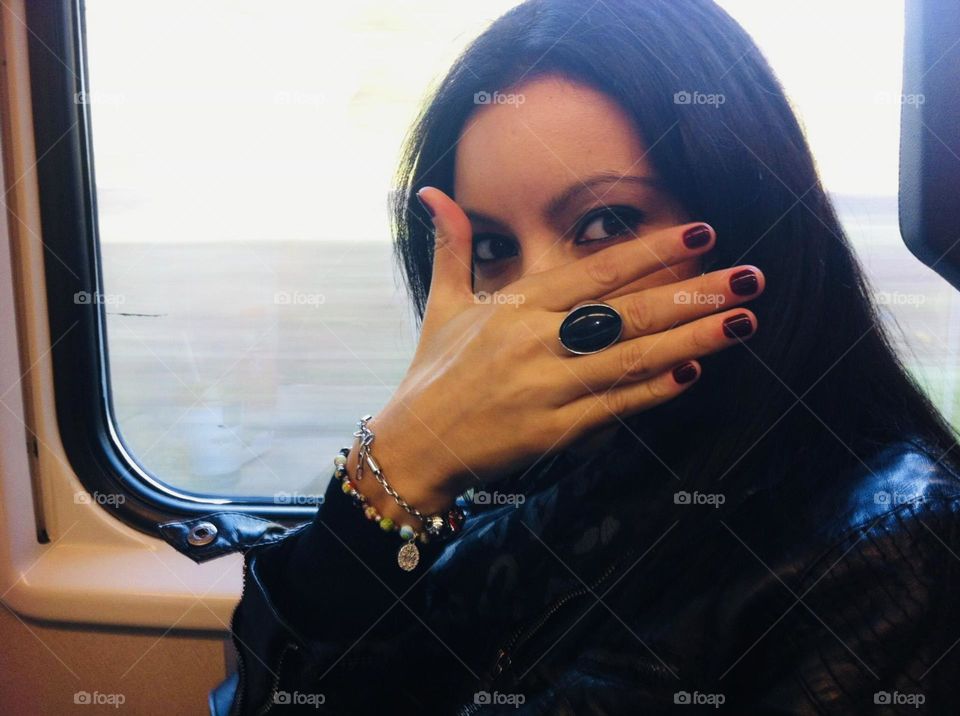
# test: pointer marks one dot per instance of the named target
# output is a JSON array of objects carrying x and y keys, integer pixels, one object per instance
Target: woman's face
[{"x": 554, "y": 176}]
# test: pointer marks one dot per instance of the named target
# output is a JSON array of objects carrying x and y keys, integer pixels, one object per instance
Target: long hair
[{"x": 819, "y": 387}]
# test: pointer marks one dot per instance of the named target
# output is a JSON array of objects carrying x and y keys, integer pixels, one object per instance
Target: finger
[
  {"x": 656, "y": 309},
  {"x": 642, "y": 358},
  {"x": 597, "y": 409},
  {"x": 452, "y": 279},
  {"x": 616, "y": 266}
]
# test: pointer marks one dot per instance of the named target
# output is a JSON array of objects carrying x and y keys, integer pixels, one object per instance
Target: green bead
[
  {"x": 386, "y": 524},
  {"x": 407, "y": 532}
]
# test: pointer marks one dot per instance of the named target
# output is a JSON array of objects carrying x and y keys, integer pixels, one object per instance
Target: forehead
[{"x": 536, "y": 138}]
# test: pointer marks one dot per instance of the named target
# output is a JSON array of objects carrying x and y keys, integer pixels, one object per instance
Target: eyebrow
[{"x": 559, "y": 203}]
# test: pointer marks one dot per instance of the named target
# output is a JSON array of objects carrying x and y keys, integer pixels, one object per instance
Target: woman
[{"x": 749, "y": 510}]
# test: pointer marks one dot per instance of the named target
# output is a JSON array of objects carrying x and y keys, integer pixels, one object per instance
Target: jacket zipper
[
  {"x": 504, "y": 657},
  {"x": 236, "y": 708},
  {"x": 274, "y": 690}
]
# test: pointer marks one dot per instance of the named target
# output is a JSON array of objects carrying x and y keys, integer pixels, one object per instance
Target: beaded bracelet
[
  {"x": 437, "y": 525},
  {"x": 408, "y": 555}
]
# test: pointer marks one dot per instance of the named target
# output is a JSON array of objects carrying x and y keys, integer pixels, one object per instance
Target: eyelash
[{"x": 627, "y": 217}]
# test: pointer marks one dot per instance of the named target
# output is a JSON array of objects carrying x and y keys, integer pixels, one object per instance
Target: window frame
[{"x": 91, "y": 439}]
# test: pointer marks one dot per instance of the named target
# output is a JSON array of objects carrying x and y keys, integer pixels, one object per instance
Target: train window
[
  {"x": 242, "y": 177},
  {"x": 850, "y": 104},
  {"x": 243, "y": 160}
]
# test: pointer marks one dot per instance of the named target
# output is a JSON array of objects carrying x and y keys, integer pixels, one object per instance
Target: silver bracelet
[
  {"x": 436, "y": 525},
  {"x": 439, "y": 526}
]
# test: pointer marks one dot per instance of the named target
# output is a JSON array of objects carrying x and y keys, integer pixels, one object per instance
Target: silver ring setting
[{"x": 590, "y": 328}]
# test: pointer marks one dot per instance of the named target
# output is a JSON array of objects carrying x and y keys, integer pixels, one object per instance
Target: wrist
[{"x": 418, "y": 487}]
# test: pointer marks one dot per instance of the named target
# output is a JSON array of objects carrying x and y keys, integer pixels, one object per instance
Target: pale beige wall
[{"x": 43, "y": 666}]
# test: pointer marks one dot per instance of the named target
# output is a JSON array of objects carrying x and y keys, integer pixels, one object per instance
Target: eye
[
  {"x": 609, "y": 222},
  {"x": 492, "y": 247}
]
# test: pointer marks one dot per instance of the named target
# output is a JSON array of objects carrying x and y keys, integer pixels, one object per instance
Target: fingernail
[
  {"x": 685, "y": 372},
  {"x": 697, "y": 236},
  {"x": 425, "y": 205},
  {"x": 744, "y": 283},
  {"x": 739, "y": 326}
]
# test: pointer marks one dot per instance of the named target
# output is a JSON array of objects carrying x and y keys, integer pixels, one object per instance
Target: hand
[{"x": 490, "y": 388}]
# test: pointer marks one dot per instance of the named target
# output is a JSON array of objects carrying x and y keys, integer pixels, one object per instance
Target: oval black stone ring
[{"x": 590, "y": 328}]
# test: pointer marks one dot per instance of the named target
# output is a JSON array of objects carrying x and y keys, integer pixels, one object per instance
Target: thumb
[{"x": 452, "y": 278}]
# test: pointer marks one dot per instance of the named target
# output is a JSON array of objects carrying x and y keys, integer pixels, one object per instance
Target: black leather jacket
[{"x": 836, "y": 596}]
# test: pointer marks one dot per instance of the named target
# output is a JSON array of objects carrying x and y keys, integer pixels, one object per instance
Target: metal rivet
[{"x": 202, "y": 533}]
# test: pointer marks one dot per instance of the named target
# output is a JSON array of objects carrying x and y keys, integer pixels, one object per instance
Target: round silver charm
[{"x": 408, "y": 557}]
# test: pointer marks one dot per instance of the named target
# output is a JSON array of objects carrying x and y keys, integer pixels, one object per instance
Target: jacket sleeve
[
  {"x": 871, "y": 627},
  {"x": 325, "y": 613}
]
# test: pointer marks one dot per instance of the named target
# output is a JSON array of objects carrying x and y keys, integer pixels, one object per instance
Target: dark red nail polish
[
  {"x": 685, "y": 372},
  {"x": 697, "y": 236},
  {"x": 425, "y": 205},
  {"x": 739, "y": 326},
  {"x": 744, "y": 283}
]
